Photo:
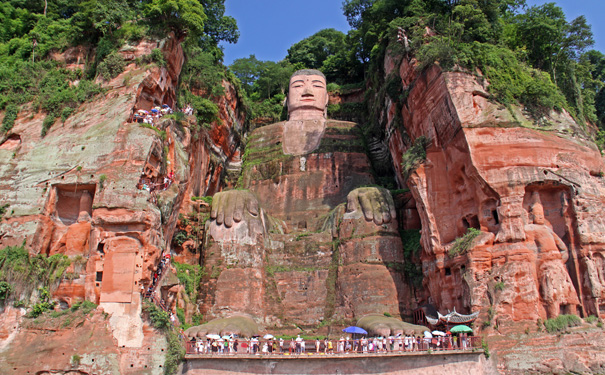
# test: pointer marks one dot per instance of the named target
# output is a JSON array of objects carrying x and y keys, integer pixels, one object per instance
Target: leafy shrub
[
  {"x": 591, "y": 319},
  {"x": 102, "y": 179},
  {"x": 174, "y": 354},
  {"x": 180, "y": 237},
  {"x": 414, "y": 155},
  {"x": 111, "y": 66},
  {"x": 206, "y": 111},
  {"x": 190, "y": 276},
  {"x": 207, "y": 199},
  {"x": 66, "y": 112},
  {"x": 561, "y": 323},
  {"x": 48, "y": 122},
  {"x": 157, "y": 56},
  {"x": 26, "y": 273},
  {"x": 159, "y": 318},
  {"x": 43, "y": 305},
  {"x": 499, "y": 286},
  {"x": 5, "y": 289},
  {"x": 75, "y": 360},
  {"x": 10, "y": 115},
  {"x": 270, "y": 108},
  {"x": 333, "y": 88},
  {"x": 463, "y": 244},
  {"x": 84, "y": 306}
]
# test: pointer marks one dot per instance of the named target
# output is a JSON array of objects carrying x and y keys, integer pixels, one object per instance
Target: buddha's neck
[{"x": 306, "y": 114}]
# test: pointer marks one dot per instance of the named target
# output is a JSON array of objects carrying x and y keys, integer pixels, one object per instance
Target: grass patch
[
  {"x": 160, "y": 133},
  {"x": 561, "y": 323}
]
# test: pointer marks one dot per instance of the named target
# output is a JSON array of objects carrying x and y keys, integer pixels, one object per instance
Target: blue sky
[{"x": 269, "y": 27}]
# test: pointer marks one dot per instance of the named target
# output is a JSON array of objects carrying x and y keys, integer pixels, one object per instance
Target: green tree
[
  {"x": 313, "y": 51},
  {"x": 247, "y": 69},
  {"x": 184, "y": 17},
  {"x": 273, "y": 79},
  {"x": 218, "y": 27}
]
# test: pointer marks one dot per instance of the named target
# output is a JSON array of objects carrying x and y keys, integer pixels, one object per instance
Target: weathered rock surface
[
  {"x": 534, "y": 192},
  {"x": 75, "y": 192}
]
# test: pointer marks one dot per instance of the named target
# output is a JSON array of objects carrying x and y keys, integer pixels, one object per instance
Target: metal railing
[{"x": 272, "y": 347}]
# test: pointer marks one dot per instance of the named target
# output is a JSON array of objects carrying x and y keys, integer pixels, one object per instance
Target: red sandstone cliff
[
  {"x": 534, "y": 191},
  {"x": 74, "y": 192}
]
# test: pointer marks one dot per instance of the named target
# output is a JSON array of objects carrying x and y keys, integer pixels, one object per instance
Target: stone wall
[{"x": 429, "y": 364}]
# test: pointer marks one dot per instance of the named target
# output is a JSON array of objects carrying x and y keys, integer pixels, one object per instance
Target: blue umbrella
[{"x": 353, "y": 329}]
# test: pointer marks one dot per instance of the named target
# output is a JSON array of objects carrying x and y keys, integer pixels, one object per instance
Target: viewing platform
[{"x": 451, "y": 362}]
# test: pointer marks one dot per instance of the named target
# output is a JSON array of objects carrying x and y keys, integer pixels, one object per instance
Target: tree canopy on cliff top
[
  {"x": 530, "y": 55},
  {"x": 31, "y": 30}
]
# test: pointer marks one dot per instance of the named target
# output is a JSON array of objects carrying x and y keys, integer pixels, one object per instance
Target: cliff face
[
  {"x": 77, "y": 192},
  {"x": 534, "y": 192},
  {"x": 534, "y": 195}
]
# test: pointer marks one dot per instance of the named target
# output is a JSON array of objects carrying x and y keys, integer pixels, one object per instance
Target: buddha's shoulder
[
  {"x": 266, "y": 136},
  {"x": 340, "y": 124},
  {"x": 268, "y": 131}
]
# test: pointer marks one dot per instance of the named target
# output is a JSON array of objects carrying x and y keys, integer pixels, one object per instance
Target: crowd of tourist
[
  {"x": 215, "y": 344},
  {"x": 163, "y": 183},
  {"x": 143, "y": 116},
  {"x": 150, "y": 292}
]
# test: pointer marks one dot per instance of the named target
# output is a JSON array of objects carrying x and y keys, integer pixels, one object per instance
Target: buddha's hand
[
  {"x": 229, "y": 207},
  {"x": 375, "y": 203}
]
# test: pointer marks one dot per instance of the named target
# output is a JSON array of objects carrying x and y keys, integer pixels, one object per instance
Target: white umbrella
[
  {"x": 213, "y": 336},
  {"x": 438, "y": 333},
  {"x": 427, "y": 335},
  {"x": 299, "y": 339},
  {"x": 268, "y": 336}
]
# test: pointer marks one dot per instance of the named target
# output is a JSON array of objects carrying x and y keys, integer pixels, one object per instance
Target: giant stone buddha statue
[{"x": 306, "y": 240}]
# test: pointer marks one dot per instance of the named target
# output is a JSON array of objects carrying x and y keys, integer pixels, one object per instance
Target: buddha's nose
[{"x": 307, "y": 91}]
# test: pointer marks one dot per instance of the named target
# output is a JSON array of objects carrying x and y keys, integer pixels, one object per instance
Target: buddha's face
[
  {"x": 537, "y": 212},
  {"x": 307, "y": 92}
]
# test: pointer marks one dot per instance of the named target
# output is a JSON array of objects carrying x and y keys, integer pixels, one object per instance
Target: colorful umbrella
[
  {"x": 461, "y": 328},
  {"x": 353, "y": 329}
]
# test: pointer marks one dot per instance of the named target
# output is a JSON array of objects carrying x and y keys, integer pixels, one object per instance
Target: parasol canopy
[
  {"x": 213, "y": 336},
  {"x": 428, "y": 335},
  {"x": 461, "y": 328},
  {"x": 353, "y": 329},
  {"x": 268, "y": 336},
  {"x": 438, "y": 333}
]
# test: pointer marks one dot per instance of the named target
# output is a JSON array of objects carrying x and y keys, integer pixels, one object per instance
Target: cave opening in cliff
[
  {"x": 495, "y": 216},
  {"x": 72, "y": 199}
]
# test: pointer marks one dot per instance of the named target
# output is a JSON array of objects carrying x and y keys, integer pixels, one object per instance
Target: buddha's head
[
  {"x": 537, "y": 210},
  {"x": 307, "y": 96}
]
